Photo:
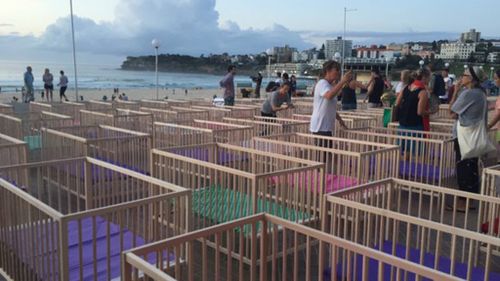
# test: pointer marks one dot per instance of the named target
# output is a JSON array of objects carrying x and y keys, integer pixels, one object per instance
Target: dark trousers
[
  {"x": 467, "y": 171},
  {"x": 322, "y": 142},
  {"x": 62, "y": 92}
]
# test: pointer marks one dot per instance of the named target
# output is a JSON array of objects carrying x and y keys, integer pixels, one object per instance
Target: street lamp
[
  {"x": 156, "y": 44},
  {"x": 466, "y": 66},
  {"x": 74, "y": 48},
  {"x": 269, "y": 53},
  {"x": 336, "y": 56},
  {"x": 447, "y": 65},
  {"x": 421, "y": 63},
  {"x": 491, "y": 72},
  {"x": 343, "y": 38}
]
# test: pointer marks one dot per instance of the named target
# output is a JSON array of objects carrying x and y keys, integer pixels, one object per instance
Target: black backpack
[{"x": 439, "y": 86}]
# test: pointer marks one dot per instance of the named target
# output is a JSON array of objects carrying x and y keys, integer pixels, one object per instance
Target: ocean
[{"x": 106, "y": 76}]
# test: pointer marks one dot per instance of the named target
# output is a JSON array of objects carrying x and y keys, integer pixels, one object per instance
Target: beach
[{"x": 132, "y": 94}]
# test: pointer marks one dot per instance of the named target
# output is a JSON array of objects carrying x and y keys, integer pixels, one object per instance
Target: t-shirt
[
  {"x": 399, "y": 87},
  {"x": 228, "y": 84},
  {"x": 63, "y": 81},
  {"x": 471, "y": 107},
  {"x": 275, "y": 99},
  {"x": 324, "y": 110},
  {"x": 47, "y": 79}
]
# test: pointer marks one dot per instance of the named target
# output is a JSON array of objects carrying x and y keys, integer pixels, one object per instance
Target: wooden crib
[
  {"x": 71, "y": 219},
  {"x": 276, "y": 249}
]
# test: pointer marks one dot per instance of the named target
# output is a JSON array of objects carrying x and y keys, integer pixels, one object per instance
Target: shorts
[{"x": 48, "y": 87}]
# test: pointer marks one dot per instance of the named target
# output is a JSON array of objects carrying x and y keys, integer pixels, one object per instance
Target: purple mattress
[
  {"x": 87, "y": 250},
  {"x": 400, "y": 251}
]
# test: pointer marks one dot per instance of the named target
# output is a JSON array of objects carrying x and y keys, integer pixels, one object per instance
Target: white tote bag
[{"x": 474, "y": 140}]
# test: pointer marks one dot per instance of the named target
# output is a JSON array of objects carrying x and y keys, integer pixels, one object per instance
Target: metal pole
[
  {"x": 268, "y": 67},
  {"x": 387, "y": 70},
  {"x": 343, "y": 42},
  {"x": 156, "y": 71},
  {"x": 74, "y": 48}
]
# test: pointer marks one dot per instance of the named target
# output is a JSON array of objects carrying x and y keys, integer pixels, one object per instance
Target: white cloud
[{"x": 182, "y": 26}]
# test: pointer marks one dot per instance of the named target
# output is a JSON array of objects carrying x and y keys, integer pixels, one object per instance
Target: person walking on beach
[
  {"x": 325, "y": 101},
  {"x": 63, "y": 83},
  {"x": 275, "y": 101},
  {"x": 228, "y": 84},
  {"x": 48, "y": 84},
  {"x": 28, "y": 84}
]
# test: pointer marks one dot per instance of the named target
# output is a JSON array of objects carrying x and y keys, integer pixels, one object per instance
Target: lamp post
[
  {"x": 343, "y": 38},
  {"x": 421, "y": 63},
  {"x": 269, "y": 53},
  {"x": 336, "y": 56},
  {"x": 156, "y": 44},
  {"x": 74, "y": 48},
  {"x": 447, "y": 65},
  {"x": 491, "y": 72},
  {"x": 466, "y": 66}
]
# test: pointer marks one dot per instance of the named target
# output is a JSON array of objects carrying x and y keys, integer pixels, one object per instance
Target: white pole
[
  {"x": 268, "y": 67},
  {"x": 74, "y": 48},
  {"x": 343, "y": 42},
  {"x": 156, "y": 71}
]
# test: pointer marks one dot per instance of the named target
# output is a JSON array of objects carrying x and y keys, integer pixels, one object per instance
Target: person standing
[
  {"x": 63, "y": 83},
  {"x": 496, "y": 106},
  {"x": 349, "y": 100},
  {"x": 48, "y": 84},
  {"x": 470, "y": 110},
  {"x": 275, "y": 101},
  {"x": 228, "y": 84},
  {"x": 448, "y": 85},
  {"x": 413, "y": 101},
  {"x": 258, "y": 83},
  {"x": 325, "y": 101},
  {"x": 375, "y": 90},
  {"x": 28, "y": 84},
  {"x": 293, "y": 85}
]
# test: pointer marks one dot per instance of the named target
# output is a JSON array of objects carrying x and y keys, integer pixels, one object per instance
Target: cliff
[{"x": 214, "y": 64}]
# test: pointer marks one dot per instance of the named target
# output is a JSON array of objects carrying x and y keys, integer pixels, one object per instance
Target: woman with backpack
[{"x": 413, "y": 102}]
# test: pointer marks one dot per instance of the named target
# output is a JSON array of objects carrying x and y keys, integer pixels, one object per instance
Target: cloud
[{"x": 182, "y": 26}]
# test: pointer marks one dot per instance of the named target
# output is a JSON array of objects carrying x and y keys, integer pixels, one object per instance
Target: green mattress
[{"x": 235, "y": 205}]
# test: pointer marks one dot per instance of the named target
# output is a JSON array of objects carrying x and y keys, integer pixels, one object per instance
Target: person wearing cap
[{"x": 470, "y": 109}]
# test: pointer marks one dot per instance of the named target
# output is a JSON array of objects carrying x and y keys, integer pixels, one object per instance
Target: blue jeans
[{"x": 229, "y": 101}]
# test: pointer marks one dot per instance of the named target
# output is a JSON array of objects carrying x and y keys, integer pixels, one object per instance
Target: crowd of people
[
  {"x": 418, "y": 96},
  {"x": 28, "y": 91}
]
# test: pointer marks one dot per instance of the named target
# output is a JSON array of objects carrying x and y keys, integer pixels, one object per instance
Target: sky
[{"x": 117, "y": 28}]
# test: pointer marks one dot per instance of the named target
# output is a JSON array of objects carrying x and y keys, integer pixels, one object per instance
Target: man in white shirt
[{"x": 325, "y": 102}]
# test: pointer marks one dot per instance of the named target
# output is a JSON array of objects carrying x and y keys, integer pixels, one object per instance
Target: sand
[{"x": 133, "y": 94}]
